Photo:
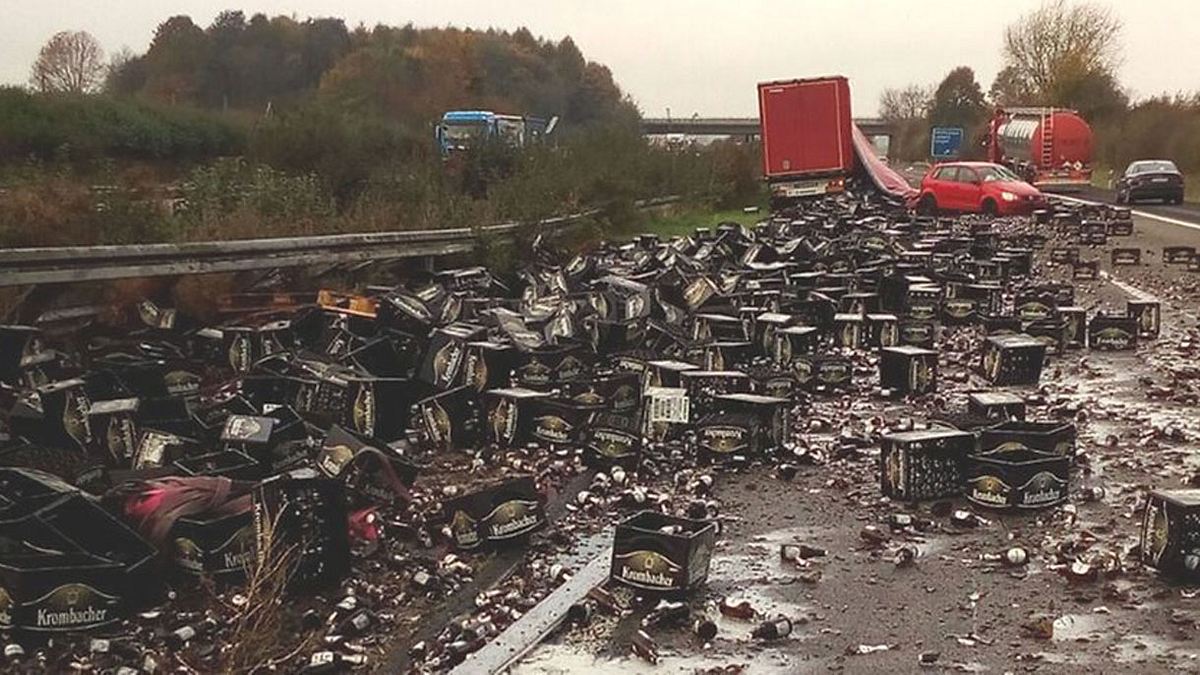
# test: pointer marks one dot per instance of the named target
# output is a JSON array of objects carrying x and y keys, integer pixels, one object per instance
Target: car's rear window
[{"x": 1151, "y": 167}]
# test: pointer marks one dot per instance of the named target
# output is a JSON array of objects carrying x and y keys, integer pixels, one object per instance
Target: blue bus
[{"x": 461, "y": 130}]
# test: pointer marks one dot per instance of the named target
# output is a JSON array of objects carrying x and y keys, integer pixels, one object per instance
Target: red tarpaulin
[{"x": 890, "y": 183}]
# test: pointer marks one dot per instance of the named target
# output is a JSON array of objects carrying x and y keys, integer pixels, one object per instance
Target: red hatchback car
[{"x": 976, "y": 187}]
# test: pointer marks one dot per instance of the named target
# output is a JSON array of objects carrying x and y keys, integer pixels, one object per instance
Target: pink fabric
[{"x": 889, "y": 181}]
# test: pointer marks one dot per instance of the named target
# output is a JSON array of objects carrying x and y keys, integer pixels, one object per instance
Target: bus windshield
[{"x": 463, "y": 131}]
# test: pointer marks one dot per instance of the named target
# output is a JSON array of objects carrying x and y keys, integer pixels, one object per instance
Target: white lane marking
[
  {"x": 1143, "y": 214},
  {"x": 1128, "y": 288}
]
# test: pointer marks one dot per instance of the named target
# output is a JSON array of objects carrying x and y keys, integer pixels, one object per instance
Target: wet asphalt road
[{"x": 956, "y": 601}]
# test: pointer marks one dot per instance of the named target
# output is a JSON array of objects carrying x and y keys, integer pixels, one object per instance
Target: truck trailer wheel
[{"x": 927, "y": 206}]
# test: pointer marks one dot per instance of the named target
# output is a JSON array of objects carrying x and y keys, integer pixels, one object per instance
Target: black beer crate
[
  {"x": 917, "y": 465},
  {"x": 559, "y": 421},
  {"x": 918, "y": 333},
  {"x": 1017, "y": 479},
  {"x": 922, "y": 303},
  {"x": 1057, "y": 438},
  {"x": 495, "y": 515},
  {"x": 996, "y": 405},
  {"x": 662, "y": 554},
  {"x": 1064, "y": 255},
  {"x": 1085, "y": 270},
  {"x": 1120, "y": 228},
  {"x": 772, "y": 415},
  {"x": 303, "y": 512},
  {"x": 1178, "y": 255},
  {"x": 908, "y": 370},
  {"x": 220, "y": 546},
  {"x": 1076, "y": 332},
  {"x": 613, "y": 439},
  {"x": 1170, "y": 533},
  {"x": 795, "y": 341},
  {"x": 1147, "y": 312},
  {"x": 1012, "y": 359},
  {"x": 1036, "y": 305},
  {"x": 1126, "y": 256},
  {"x": 488, "y": 365},
  {"x": 848, "y": 330},
  {"x": 1112, "y": 332},
  {"x": 823, "y": 373},
  {"x": 703, "y": 386},
  {"x": 883, "y": 330},
  {"x": 1050, "y": 332}
]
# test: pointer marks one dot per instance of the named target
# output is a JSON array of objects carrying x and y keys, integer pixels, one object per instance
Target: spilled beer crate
[
  {"x": 660, "y": 553},
  {"x": 1012, "y": 359},
  {"x": 1170, "y": 536},
  {"x": 1015, "y": 477},
  {"x": 1057, "y": 438},
  {"x": 908, "y": 370},
  {"x": 917, "y": 465},
  {"x": 495, "y": 514},
  {"x": 1112, "y": 332}
]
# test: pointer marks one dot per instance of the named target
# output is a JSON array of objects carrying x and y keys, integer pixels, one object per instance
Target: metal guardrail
[{"x": 68, "y": 264}]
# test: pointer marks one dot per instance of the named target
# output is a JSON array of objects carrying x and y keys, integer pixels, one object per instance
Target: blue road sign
[{"x": 945, "y": 142}]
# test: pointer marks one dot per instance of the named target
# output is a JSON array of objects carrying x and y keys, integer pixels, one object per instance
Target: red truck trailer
[
  {"x": 1049, "y": 147},
  {"x": 807, "y": 142}
]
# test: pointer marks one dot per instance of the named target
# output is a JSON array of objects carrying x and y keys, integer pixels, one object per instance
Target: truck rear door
[
  {"x": 781, "y": 124},
  {"x": 805, "y": 127}
]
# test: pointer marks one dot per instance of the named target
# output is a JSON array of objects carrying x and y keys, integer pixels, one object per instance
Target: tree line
[{"x": 1062, "y": 55}]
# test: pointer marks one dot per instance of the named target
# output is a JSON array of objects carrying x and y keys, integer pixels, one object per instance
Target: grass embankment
[{"x": 689, "y": 217}]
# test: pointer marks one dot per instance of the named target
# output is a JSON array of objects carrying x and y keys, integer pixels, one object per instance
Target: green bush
[{"x": 86, "y": 127}]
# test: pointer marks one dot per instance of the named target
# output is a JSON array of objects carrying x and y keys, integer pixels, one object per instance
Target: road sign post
[{"x": 945, "y": 142}]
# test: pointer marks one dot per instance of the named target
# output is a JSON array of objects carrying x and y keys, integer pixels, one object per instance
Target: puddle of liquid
[{"x": 1079, "y": 628}]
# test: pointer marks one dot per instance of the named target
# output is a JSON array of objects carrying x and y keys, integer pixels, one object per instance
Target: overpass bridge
[{"x": 740, "y": 126}]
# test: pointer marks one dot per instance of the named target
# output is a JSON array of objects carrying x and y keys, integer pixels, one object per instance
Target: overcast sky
[{"x": 702, "y": 56}]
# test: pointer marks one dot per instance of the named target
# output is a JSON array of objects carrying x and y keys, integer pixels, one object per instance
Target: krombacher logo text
[
  {"x": 1043, "y": 489},
  {"x": 237, "y": 552},
  {"x": 182, "y": 383},
  {"x": 723, "y": 439},
  {"x": 239, "y": 353},
  {"x": 569, "y": 368},
  {"x": 437, "y": 423},
  {"x": 990, "y": 490},
  {"x": 535, "y": 372},
  {"x": 834, "y": 372},
  {"x": 476, "y": 370},
  {"x": 1156, "y": 531},
  {"x": 413, "y": 307},
  {"x": 72, "y": 606},
  {"x": 889, "y": 334},
  {"x": 503, "y": 419},
  {"x": 464, "y": 529},
  {"x": 6, "y": 604},
  {"x": 75, "y": 415},
  {"x": 120, "y": 437},
  {"x": 991, "y": 363},
  {"x": 334, "y": 459},
  {"x": 918, "y": 332},
  {"x": 552, "y": 428},
  {"x": 959, "y": 308},
  {"x": 364, "y": 409},
  {"x": 648, "y": 569},
  {"x": 922, "y": 312},
  {"x": 513, "y": 518},
  {"x": 1034, "y": 311},
  {"x": 612, "y": 444},
  {"x": 1112, "y": 338},
  {"x": 895, "y": 470},
  {"x": 920, "y": 375},
  {"x": 446, "y": 362}
]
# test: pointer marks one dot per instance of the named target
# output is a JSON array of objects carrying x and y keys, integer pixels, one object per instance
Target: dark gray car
[{"x": 1150, "y": 179}]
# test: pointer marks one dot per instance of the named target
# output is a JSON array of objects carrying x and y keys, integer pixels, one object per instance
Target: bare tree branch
[{"x": 71, "y": 62}]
